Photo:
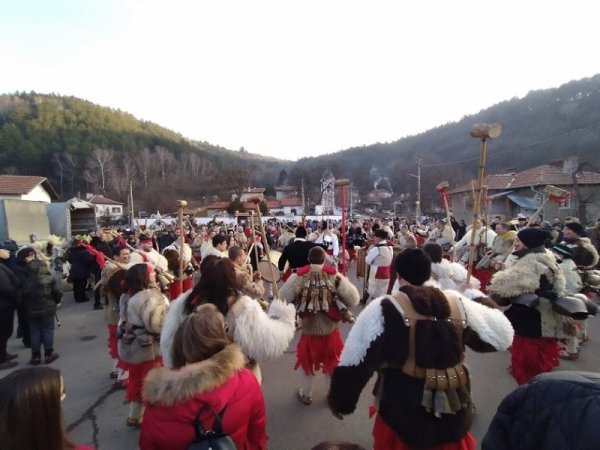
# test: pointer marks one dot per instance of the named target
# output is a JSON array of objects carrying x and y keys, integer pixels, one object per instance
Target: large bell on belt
[{"x": 572, "y": 307}]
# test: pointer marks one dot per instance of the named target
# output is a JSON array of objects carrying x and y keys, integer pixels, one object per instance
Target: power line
[{"x": 541, "y": 141}]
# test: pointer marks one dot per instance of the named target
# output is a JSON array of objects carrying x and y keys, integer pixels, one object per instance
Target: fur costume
[
  {"x": 379, "y": 341},
  {"x": 573, "y": 282},
  {"x": 145, "y": 310},
  {"x": 320, "y": 345},
  {"x": 249, "y": 287},
  {"x": 585, "y": 254},
  {"x": 523, "y": 277},
  {"x": 319, "y": 324},
  {"x": 502, "y": 246},
  {"x": 452, "y": 276},
  {"x": 207, "y": 249},
  {"x": 261, "y": 335},
  {"x": 535, "y": 349},
  {"x": 152, "y": 257}
]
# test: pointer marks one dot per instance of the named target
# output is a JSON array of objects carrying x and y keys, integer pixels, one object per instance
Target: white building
[
  {"x": 105, "y": 207},
  {"x": 31, "y": 188}
]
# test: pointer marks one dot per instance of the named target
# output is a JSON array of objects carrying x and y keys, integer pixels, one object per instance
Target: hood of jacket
[{"x": 167, "y": 387}]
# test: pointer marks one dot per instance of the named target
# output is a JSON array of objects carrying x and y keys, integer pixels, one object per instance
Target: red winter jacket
[{"x": 173, "y": 397}]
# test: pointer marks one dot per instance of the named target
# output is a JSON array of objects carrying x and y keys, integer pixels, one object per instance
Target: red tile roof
[
  {"x": 537, "y": 176},
  {"x": 218, "y": 205},
  {"x": 291, "y": 201},
  {"x": 23, "y": 184}
]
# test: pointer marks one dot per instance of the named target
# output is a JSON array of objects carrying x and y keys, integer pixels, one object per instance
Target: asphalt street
[{"x": 95, "y": 415}]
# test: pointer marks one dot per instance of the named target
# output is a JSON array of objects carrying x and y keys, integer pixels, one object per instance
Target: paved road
[{"x": 95, "y": 414}]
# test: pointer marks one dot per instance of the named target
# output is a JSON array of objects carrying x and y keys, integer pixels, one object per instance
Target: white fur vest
[{"x": 261, "y": 335}]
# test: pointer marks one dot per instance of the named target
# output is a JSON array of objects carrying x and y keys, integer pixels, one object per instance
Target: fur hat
[
  {"x": 533, "y": 237},
  {"x": 414, "y": 265},
  {"x": 300, "y": 232},
  {"x": 576, "y": 228}
]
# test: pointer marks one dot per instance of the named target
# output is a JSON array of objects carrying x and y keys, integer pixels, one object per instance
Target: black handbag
[{"x": 214, "y": 439}]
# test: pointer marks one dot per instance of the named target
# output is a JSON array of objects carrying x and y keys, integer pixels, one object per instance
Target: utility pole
[
  {"x": 302, "y": 193},
  {"x": 131, "y": 211},
  {"x": 351, "y": 189},
  {"x": 418, "y": 202}
]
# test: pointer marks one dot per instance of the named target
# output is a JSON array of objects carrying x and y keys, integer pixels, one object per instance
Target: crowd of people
[{"x": 191, "y": 313}]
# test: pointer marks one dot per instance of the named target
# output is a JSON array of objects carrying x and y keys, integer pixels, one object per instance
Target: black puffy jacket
[{"x": 555, "y": 411}]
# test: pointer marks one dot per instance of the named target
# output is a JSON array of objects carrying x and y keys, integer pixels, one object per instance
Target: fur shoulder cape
[
  {"x": 523, "y": 277},
  {"x": 261, "y": 335},
  {"x": 166, "y": 387}
]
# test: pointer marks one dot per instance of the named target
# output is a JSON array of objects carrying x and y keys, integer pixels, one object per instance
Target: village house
[
  {"x": 510, "y": 194},
  {"x": 31, "y": 188},
  {"x": 106, "y": 207}
]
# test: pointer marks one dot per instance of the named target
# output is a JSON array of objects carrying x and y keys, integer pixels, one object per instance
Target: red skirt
[
  {"x": 286, "y": 274},
  {"x": 174, "y": 290},
  {"x": 137, "y": 375},
  {"x": 319, "y": 353},
  {"x": 484, "y": 276},
  {"x": 532, "y": 356},
  {"x": 384, "y": 438},
  {"x": 113, "y": 341}
]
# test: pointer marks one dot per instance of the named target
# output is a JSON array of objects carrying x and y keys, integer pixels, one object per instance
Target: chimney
[{"x": 570, "y": 164}]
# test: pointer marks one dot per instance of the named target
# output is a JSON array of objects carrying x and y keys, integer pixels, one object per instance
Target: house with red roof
[
  {"x": 510, "y": 194},
  {"x": 32, "y": 188}
]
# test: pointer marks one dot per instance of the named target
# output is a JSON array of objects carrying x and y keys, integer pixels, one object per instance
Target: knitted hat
[
  {"x": 576, "y": 228},
  {"x": 533, "y": 237}
]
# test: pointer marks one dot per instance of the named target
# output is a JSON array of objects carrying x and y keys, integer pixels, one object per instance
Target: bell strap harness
[{"x": 435, "y": 379}]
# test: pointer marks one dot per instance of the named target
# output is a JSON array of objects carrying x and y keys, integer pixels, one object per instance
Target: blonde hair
[{"x": 200, "y": 336}]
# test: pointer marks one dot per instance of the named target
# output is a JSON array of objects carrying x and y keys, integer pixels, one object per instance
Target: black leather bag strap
[{"x": 217, "y": 427}]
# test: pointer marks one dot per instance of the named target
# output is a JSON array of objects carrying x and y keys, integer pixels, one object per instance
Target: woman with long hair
[
  {"x": 142, "y": 311},
  {"x": 261, "y": 335},
  {"x": 30, "y": 411},
  {"x": 208, "y": 378}
]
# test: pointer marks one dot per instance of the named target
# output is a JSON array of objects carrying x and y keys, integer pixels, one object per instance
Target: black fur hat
[
  {"x": 414, "y": 265},
  {"x": 533, "y": 237}
]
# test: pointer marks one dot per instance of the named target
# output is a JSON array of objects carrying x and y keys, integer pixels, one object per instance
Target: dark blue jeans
[{"x": 41, "y": 329}]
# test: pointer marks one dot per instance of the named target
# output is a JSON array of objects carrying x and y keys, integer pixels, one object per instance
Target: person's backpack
[{"x": 214, "y": 439}]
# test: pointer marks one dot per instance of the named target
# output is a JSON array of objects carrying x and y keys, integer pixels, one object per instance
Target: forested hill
[
  {"x": 544, "y": 125},
  {"x": 83, "y": 147}
]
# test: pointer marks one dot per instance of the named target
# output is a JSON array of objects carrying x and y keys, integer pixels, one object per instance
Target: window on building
[{"x": 115, "y": 210}]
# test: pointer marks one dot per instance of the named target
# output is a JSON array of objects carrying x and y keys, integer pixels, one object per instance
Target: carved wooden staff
[
  {"x": 483, "y": 131},
  {"x": 442, "y": 188},
  {"x": 180, "y": 205},
  {"x": 253, "y": 239},
  {"x": 256, "y": 201}
]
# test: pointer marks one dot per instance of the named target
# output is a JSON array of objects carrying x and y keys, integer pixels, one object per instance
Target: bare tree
[
  {"x": 98, "y": 166},
  {"x": 144, "y": 165},
  {"x": 64, "y": 169},
  {"x": 120, "y": 175},
  {"x": 166, "y": 160}
]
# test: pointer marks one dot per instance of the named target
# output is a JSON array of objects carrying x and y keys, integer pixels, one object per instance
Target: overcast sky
[{"x": 293, "y": 79}]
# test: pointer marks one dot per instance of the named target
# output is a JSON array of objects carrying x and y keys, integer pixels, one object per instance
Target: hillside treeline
[
  {"x": 82, "y": 147},
  {"x": 544, "y": 125}
]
